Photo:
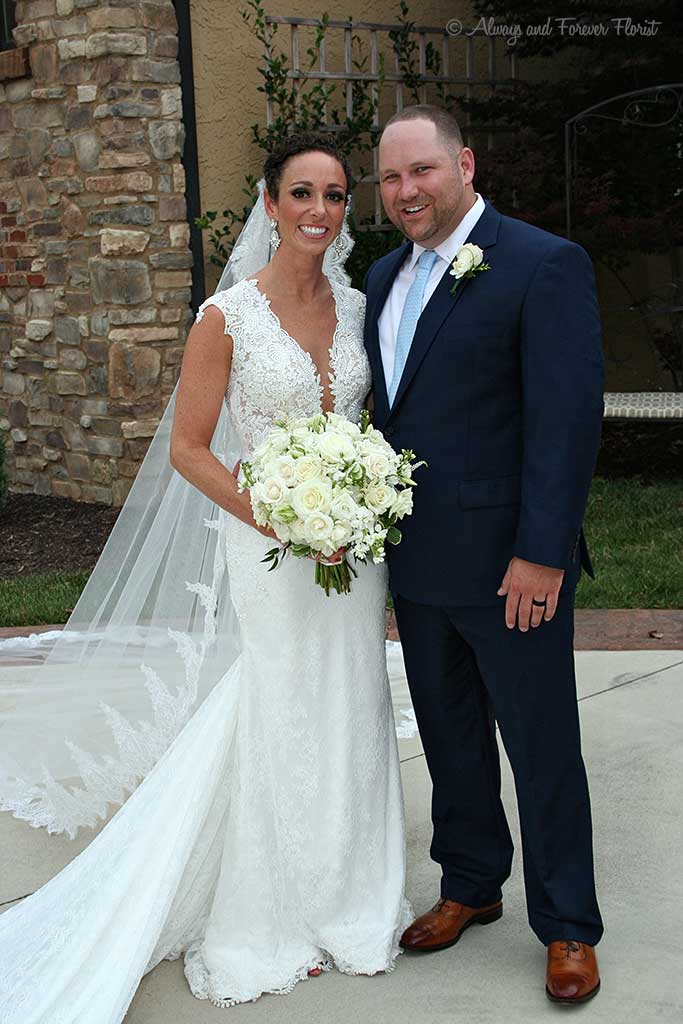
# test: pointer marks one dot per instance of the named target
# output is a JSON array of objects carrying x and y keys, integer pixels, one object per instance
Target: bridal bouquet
[{"x": 324, "y": 484}]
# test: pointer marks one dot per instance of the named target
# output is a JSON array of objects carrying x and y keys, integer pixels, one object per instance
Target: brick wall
[{"x": 94, "y": 254}]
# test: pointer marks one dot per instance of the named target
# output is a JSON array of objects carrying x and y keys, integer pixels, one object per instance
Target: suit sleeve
[{"x": 562, "y": 392}]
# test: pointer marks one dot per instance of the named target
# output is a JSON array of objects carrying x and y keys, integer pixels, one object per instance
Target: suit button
[{"x": 389, "y": 431}]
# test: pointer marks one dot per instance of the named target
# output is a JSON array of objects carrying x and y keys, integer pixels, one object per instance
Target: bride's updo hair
[{"x": 295, "y": 145}]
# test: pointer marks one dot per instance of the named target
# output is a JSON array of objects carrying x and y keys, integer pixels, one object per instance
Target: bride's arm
[{"x": 204, "y": 377}]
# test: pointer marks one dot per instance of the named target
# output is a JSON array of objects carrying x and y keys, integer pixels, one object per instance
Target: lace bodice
[{"x": 273, "y": 377}]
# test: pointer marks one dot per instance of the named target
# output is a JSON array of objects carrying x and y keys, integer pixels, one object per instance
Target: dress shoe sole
[
  {"x": 577, "y": 1001},
  {"x": 489, "y": 918}
]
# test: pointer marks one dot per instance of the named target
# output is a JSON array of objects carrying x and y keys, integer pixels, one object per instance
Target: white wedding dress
[{"x": 269, "y": 838}]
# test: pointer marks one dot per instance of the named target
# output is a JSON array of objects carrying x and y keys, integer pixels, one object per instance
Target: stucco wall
[{"x": 226, "y": 59}]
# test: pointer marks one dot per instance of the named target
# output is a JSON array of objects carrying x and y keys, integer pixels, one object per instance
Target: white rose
[
  {"x": 341, "y": 534},
  {"x": 307, "y": 468},
  {"x": 298, "y": 531},
  {"x": 379, "y": 497},
  {"x": 283, "y": 532},
  {"x": 344, "y": 507},
  {"x": 344, "y": 426},
  {"x": 403, "y": 505},
  {"x": 318, "y": 529},
  {"x": 375, "y": 437},
  {"x": 312, "y": 496},
  {"x": 273, "y": 490},
  {"x": 469, "y": 257},
  {"x": 377, "y": 464},
  {"x": 336, "y": 447},
  {"x": 283, "y": 467},
  {"x": 276, "y": 442},
  {"x": 303, "y": 434}
]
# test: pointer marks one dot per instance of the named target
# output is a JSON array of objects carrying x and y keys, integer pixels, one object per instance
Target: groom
[{"x": 495, "y": 377}]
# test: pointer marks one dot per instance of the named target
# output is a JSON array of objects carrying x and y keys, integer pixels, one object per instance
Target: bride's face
[{"x": 309, "y": 209}]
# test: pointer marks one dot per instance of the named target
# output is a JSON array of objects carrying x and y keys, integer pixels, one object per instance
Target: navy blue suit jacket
[{"x": 502, "y": 394}]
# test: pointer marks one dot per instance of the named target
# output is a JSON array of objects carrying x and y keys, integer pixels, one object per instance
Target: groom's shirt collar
[{"x": 449, "y": 247}]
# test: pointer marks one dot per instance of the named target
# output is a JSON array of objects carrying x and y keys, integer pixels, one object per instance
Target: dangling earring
[
  {"x": 274, "y": 236},
  {"x": 339, "y": 242}
]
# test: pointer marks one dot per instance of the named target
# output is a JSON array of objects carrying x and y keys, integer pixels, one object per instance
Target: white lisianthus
[
  {"x": 312, "y": 496},
  {"x": 375, "y": 437},
  {"x": 283, "y": 514},
  {"x": 308, "y": 467},
  {"x": 468, "y": 258},
  {"x": 379, "y": 497},
  {"x": 403, "y": 504}
]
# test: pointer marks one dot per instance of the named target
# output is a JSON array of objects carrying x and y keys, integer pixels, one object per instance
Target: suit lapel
[
  {"x": 375, "y": 304},
  {"x": 442, "y": 303}
]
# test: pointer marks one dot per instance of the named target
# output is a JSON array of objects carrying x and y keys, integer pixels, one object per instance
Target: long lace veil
[{"x": 86, "y": 712}]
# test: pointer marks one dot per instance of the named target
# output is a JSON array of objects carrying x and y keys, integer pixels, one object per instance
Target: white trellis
[{"x": 461, "y": 54}]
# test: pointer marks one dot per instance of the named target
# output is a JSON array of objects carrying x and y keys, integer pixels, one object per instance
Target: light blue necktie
[{"x": 409, "y": 317}]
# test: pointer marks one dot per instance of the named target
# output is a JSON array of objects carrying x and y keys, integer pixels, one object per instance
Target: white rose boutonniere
[{"x": 468, "y": 262}]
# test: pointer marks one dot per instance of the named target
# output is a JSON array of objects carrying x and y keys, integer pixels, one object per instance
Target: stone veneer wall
[{"x": 94, "y": 244}]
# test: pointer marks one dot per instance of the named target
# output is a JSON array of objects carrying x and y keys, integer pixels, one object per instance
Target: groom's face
[{"x": 425, "y": 186}]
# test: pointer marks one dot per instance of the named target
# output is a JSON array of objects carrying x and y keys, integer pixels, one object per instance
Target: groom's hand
[{"x": 524, "y": 583}]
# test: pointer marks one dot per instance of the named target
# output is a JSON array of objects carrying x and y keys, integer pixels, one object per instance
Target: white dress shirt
[{"x": 390, "y": 316}]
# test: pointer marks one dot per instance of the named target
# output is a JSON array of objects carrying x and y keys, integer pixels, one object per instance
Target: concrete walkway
[{"x": 632, "y": 720}]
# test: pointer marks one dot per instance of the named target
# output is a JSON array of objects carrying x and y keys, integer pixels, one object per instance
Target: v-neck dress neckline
[{"x": 306, "y": 354}]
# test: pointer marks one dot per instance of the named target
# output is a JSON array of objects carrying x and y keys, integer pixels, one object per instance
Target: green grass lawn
[
  {"x": 37, "y": 600},
  {"x": 634, "y": 530},
  {"x": 635, "y": 534}
]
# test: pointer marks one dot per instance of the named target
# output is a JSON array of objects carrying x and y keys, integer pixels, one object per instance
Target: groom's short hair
[{"x": 446, "y": 125}]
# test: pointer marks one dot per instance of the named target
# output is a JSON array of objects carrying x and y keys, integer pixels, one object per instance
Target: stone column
[{"x": 94, "y": 243}]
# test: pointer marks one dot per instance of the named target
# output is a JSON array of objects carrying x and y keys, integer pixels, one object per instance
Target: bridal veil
[{"x": 86, "y": 712}]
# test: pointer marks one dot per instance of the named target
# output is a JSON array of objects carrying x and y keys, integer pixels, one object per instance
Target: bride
[{"x": 248, "y": 713}]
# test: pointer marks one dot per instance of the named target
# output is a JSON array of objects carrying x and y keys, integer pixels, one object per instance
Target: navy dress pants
[{"x": 466, "y": 671}]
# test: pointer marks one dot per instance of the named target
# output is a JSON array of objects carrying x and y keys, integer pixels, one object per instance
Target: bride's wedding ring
[{"x": 539, "y": 604}]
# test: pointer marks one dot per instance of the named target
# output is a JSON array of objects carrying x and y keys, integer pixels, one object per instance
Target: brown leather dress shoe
[
  {"x": 443, "y": 925},
  {"x": 572, "y": 975}
]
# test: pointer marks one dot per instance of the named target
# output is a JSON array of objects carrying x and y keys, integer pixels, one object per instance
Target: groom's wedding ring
[{"x": 539, "y": 604}]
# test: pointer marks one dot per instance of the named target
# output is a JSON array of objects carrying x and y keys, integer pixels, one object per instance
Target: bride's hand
[
  {"x": 334, "y": 559},
  {"x": 248, "y": 516}
]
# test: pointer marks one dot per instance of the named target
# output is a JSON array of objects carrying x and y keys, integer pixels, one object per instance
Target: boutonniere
[{"x": 469, "y": 261}]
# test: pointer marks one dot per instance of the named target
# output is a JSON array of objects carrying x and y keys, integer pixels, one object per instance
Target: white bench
[{"x": 645, "y": 405}]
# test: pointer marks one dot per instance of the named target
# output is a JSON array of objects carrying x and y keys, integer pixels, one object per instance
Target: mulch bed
[
  {"x": 649, "y": 449},
  {"x": 47, "y": 534}
]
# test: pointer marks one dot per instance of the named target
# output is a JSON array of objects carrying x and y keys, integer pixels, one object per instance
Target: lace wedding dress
[{"x": 269, "y": 838}]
